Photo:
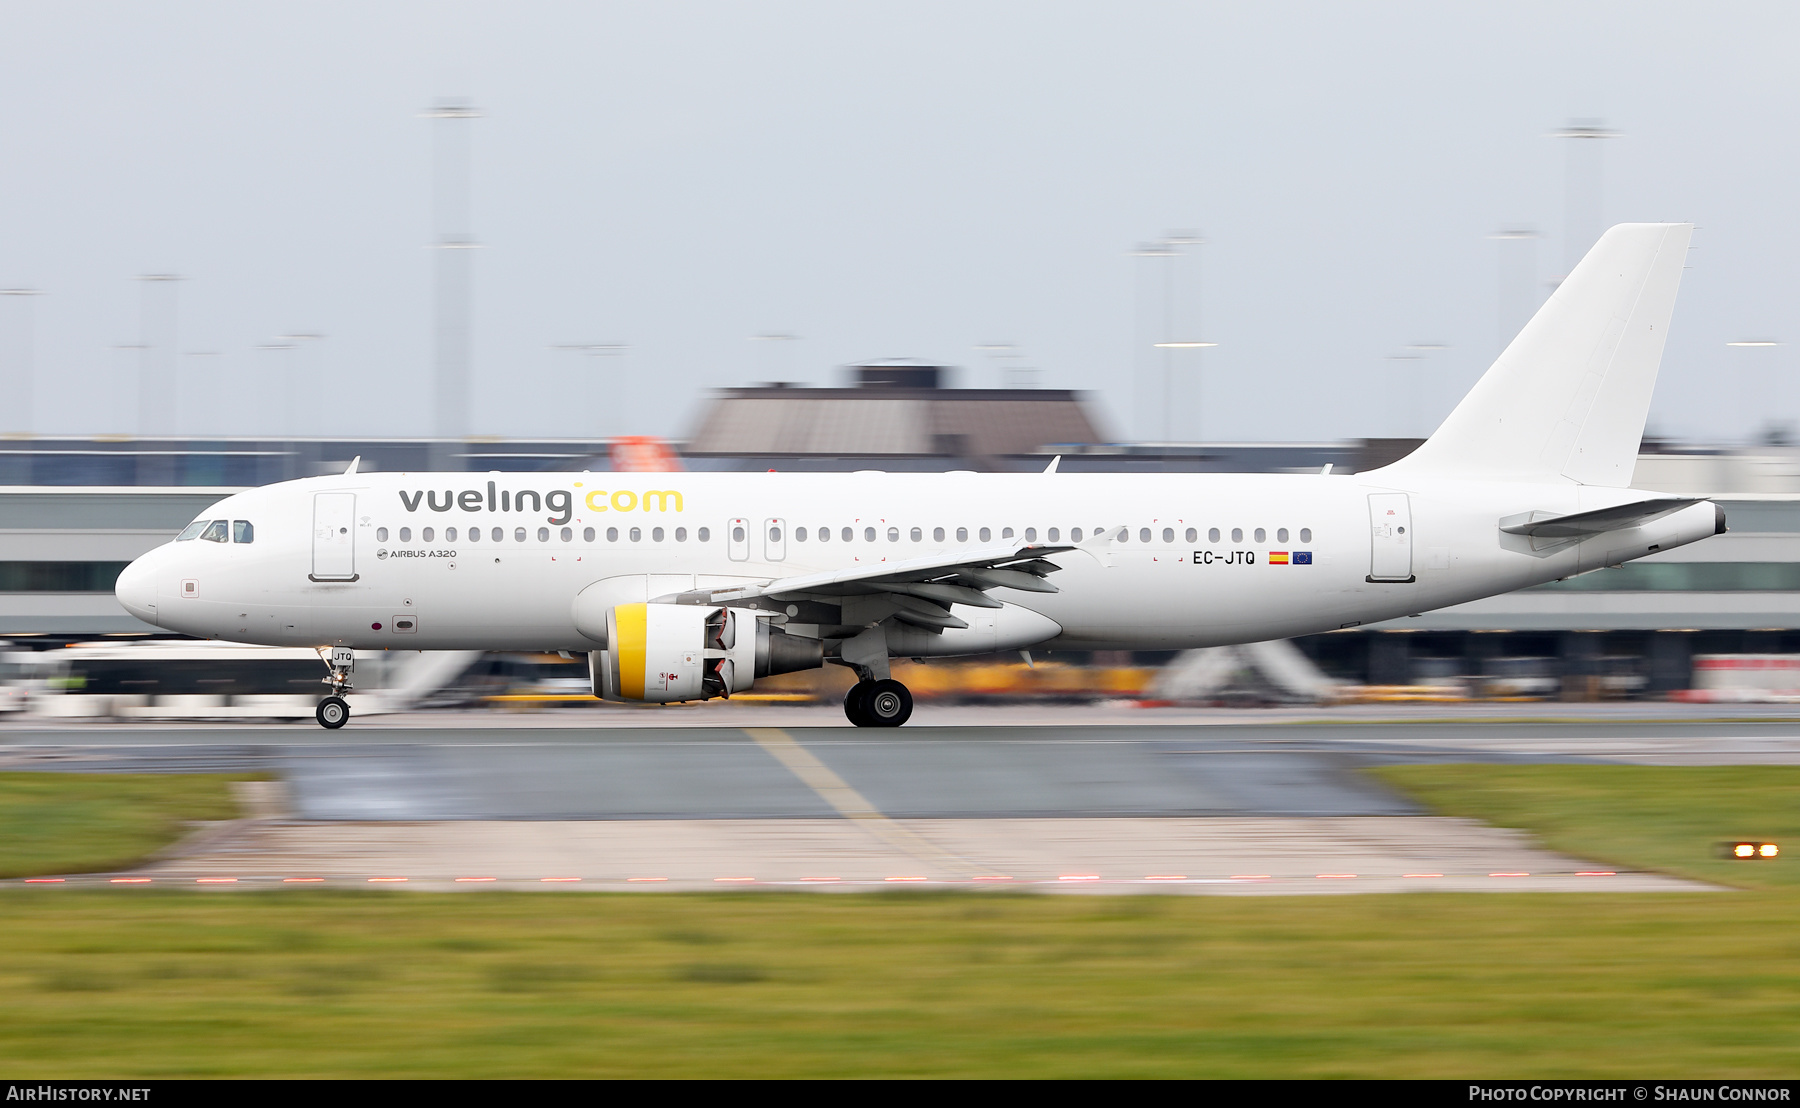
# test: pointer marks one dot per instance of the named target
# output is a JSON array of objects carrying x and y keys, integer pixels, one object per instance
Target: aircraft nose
[{"x": 136, "y": 590}]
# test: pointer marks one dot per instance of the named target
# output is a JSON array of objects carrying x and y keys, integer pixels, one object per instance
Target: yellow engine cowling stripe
[{"x": 632, "y": 624}]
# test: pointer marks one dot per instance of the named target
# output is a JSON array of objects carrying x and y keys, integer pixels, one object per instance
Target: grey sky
[{"x": 881, "y": 180}]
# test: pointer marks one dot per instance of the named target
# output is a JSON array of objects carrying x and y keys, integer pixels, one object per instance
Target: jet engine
[{"x": 662, "y": 653}]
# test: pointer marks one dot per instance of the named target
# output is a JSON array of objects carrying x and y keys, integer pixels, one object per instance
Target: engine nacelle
[{"x": 662, "y": 653}]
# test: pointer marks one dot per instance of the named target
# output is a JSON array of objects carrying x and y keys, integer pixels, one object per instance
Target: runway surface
[{"x": 1096, "y": 801}]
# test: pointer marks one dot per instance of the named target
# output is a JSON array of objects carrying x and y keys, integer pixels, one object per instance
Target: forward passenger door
[{"x": 334, "y": 536}]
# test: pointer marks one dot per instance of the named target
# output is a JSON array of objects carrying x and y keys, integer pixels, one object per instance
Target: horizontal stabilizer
[{"x": 1547, "y": 525}]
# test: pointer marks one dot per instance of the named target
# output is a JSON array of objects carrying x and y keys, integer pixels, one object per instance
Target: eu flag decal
[
  {"x": 1278, "y": 557},
  {"x": 1303, "y": 557}
]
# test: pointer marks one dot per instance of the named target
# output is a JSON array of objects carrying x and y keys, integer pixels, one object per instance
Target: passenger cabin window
[
  {"x": 449, "y": 534},
  {"x": 1212, "y": 534},
  {"x": 1053, "y": 534},
  {"x": 937, "y": 534},
  {"x": 498, "y": 534},
  {"x": 1074, "y": 534},
  {"x": 1306, "y": 534},
  {"x": 543, "y": 534},
  {"x": 1192, "y": 535},
  {"x": 916, "y": 535},
  {"x": 1261, "y": 535},
  {"x": 985, "y": 535},
  {"x": 242, "y": 531},
  {"x": 681, "y": 534},
  {"x": 474, "y": 534},
  {"x": 656, "y": 534},
  {"x": 587, "y": 534},
  {"x": 568, "y": 534},
  {"x": 406, "y": 534},
  {"x": 1237, "y": 534},
  {"x": 215, "y": 531},
  {"x": 381, "y": 534},
  {"x": 704, "y": 534},
  {"x": 868, "y": 534},
  {"x": 1031, "y": 534},
  {"x": 192, "y": 531},
  {"x": 612, "y": 534},
  {"x": 1168, "y": 534},
  {"x": 427, "y": 535},
  {"x": 962, "y": 534},
  {"x": 1281, "y": 534},
  {"x": 637, "y": 534},
  {"x": 893, "y": 534},
  {"x": 846, "y": 534},
  {"x": 1143, "y": 534},
  {"x": 799, "y": 534},
  {"x": 737, "y": 534},
  {"x": 824, "y": 534},
  {"x": 1006, "y": 532}
]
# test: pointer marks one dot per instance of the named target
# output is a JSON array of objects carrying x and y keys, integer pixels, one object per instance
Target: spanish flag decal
[{"x": 1278, "y": 557}]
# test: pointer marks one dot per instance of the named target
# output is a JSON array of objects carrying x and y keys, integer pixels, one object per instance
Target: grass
[
  {"x": 89, "y": 823},
  {"x": 1668, "y": 818},
  {"x": 144, "y": 982}
]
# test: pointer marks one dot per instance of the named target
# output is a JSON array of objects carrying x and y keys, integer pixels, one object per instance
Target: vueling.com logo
[{"x": 560, "y": 502}]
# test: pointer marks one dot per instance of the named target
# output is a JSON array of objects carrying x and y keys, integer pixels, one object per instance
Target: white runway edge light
[{"x": 1752, "y": 850}]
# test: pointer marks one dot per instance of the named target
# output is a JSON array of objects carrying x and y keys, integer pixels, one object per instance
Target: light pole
[
  {"x": 597, "y": 350},
  {"x": 1757, "y": 385},
  {"x": 208, "y": 414},
  {"x": 275, "y": 347},
  {"x": 453, "y": 244},
  {"x": 1169, "y": 247},
  {"x": 1581, "y": 188},
  {"x": 307, "y": 415},
  {"x": 16, "y": 393},
  {"x": 159, "y": 387},
  {"x": 1417, "y": 353},
  {"x": 1516, "y": 281},
  {"x": 1007, "y": 375},
  {"x": 772, "y": 365}
]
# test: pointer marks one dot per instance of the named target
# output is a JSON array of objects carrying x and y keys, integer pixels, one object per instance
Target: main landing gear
[
  {"x": 334, "y": 711},
  {"x": 878, "y": 703}
]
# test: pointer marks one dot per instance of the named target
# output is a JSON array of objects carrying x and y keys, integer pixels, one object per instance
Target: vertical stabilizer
[{"x": 1568, "y": 398}]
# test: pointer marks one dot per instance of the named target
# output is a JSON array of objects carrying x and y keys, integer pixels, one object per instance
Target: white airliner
[{"x": 689, "y": 586}]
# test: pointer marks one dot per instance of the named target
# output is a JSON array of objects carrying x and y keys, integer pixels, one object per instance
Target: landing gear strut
[
  {"x": 878, "y": 704},
  {"x": 334, "y": 711}
]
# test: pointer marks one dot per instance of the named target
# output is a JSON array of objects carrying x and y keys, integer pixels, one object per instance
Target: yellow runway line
[{"x": 852, "y": 805}]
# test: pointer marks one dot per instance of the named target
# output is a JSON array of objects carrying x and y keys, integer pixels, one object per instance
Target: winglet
[
  {"x": 354, "y": 462},
  {"x": 1051, "y": 468}
]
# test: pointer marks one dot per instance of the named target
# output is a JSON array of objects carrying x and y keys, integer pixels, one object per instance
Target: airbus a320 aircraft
[{"x": 691, "y": 586}]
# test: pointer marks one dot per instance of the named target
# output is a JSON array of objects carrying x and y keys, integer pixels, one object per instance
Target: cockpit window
[
  {"x": 192, "y": 531},
  {"x": 242, "y": 531},
  {"x": 215, "y": 531}
]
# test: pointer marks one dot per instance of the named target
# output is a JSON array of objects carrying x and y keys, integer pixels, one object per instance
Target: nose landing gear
[
  {"x": 885, "y": 703},
  {"x": 334, "y": 711}
]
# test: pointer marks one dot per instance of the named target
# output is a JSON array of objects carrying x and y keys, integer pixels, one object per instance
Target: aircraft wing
[{"x": 920, "y": 590}]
